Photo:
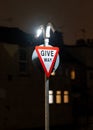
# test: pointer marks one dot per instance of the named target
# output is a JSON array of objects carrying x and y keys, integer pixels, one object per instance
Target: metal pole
[
  {"x": 46, "y": 103},
  {"x": 46, "y": 41},
  {"x": 46, "y": 36}
]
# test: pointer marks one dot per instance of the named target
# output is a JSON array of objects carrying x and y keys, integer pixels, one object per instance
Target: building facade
[
  {"x": 22, "y": 89},
  {"x": 22, "y": 86}
]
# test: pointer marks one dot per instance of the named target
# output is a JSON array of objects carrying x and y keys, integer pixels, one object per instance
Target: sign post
[
  {"x": 47, "y": 56},
  {"x": 46, "y": 103}
]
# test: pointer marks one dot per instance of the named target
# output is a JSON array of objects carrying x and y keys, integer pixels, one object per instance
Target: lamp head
[{"x": 39, "y": 31}]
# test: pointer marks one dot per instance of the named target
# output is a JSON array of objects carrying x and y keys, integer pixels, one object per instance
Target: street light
[
  {"x": 46, "y": 32},
  {"x": 40, "y": 30},
  {"x": 46, "y": 35}
]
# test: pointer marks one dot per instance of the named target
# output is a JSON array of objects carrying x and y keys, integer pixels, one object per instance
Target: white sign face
[{"x": 47, "y": 57}]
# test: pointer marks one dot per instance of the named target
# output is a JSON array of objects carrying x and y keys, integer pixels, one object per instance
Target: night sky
[{"x": 68, "y": 16}]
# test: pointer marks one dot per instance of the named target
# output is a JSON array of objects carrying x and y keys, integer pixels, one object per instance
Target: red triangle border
[{"x": 40, "y": 58}]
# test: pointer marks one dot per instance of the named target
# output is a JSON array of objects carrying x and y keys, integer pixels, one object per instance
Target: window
[
  {"x": 58, "y": 97},
  {"x": 50, "y": 96},
  {"x": 22, "y": 54},
  {"x": 22, "y": 60},
  {"x": 66, "y": 97},
  {"x": 72, "y": 74}
]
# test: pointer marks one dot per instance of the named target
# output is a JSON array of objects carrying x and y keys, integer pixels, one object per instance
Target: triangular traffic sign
[{"x": 47, "y": 56}]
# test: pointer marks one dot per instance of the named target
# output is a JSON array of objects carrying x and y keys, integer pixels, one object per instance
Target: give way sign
[{"x": 47, "y": 56}]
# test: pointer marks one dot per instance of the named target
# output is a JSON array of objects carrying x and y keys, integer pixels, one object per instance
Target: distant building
[{"x": 22, "y": 90}]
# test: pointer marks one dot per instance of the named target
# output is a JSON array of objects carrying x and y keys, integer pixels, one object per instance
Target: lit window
[
  {"x": 73, "y": 74},
  {"x": 66, "y": 97},
  {"x": 58, "y": 97},
  {"x": 50, "y": 96}
]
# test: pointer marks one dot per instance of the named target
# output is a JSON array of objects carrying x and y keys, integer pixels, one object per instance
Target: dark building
[{"x": 22, "y": 89}]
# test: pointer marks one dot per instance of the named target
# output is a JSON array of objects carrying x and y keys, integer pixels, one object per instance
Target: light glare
[
  {"x": 48, "y": 32},
  {"x": 39, "y": 31}
]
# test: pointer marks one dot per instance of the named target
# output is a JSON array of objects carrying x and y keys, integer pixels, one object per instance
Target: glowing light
[
  {"x": 66, "y": 97},
  {"x": 58, "y": 97},
  {"x": 73, "y": 74},
  {"x": 53, "y": 73},
  {"x": 50, "y": 96},
  {"x": 39, "y": 31},
  {"x": 48, "y": 32}
]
